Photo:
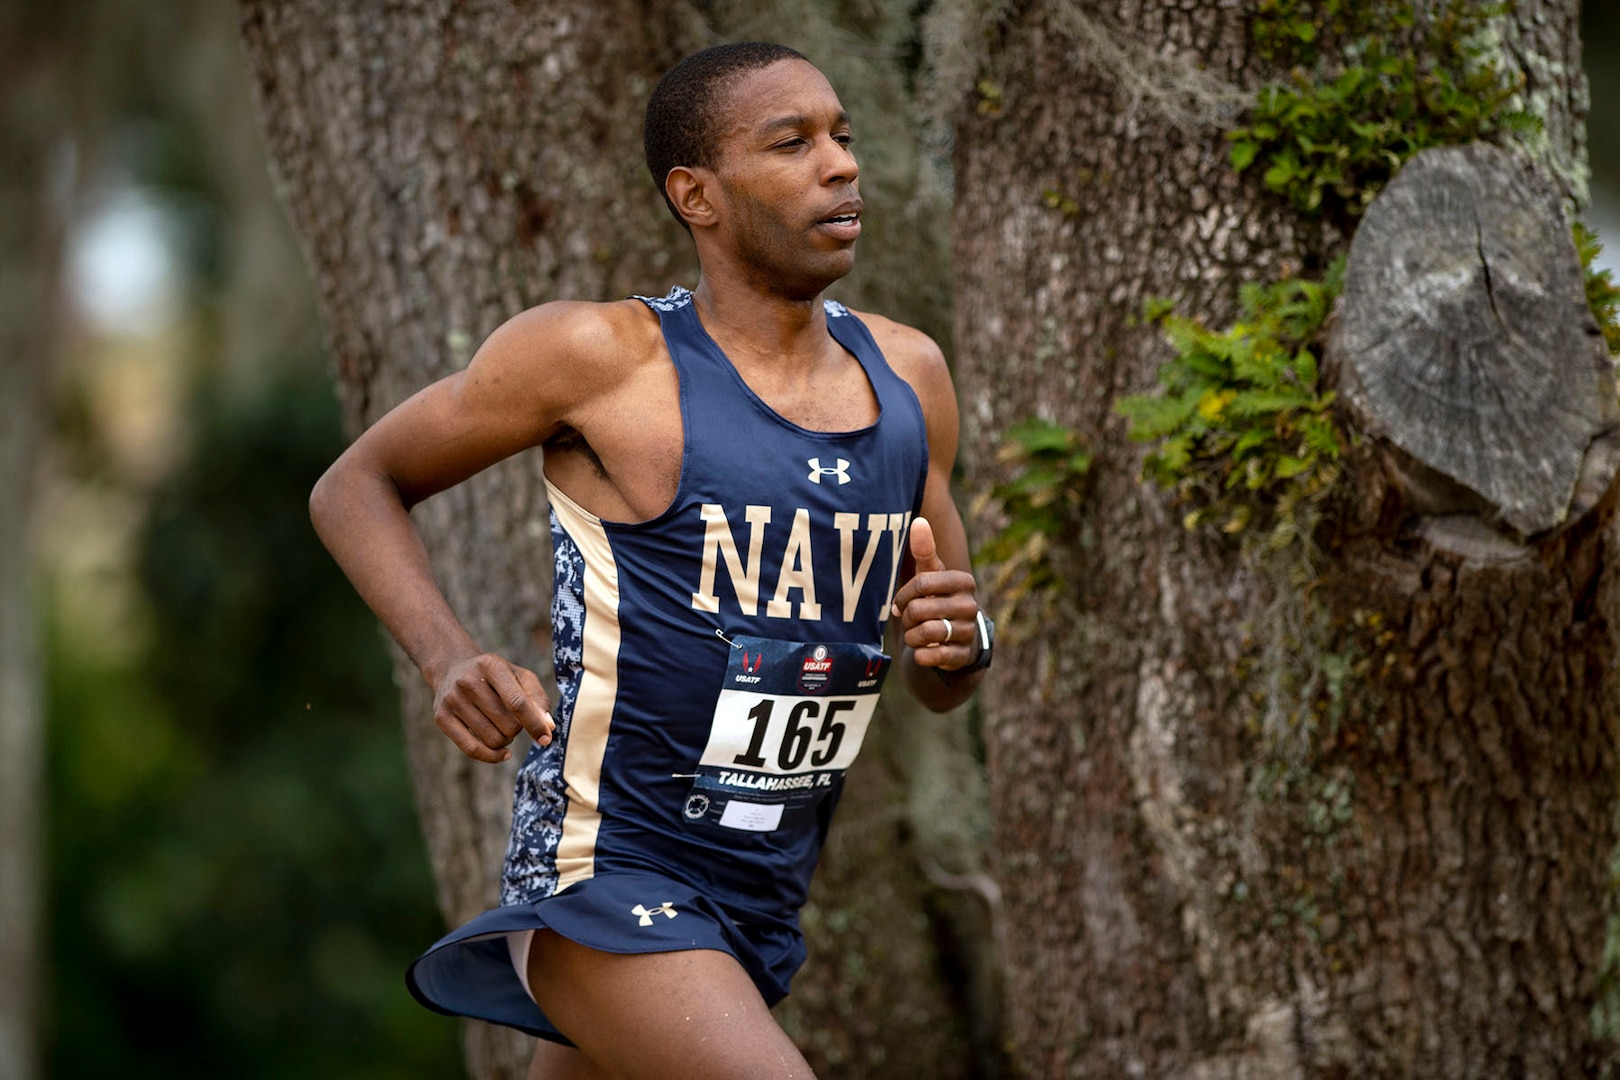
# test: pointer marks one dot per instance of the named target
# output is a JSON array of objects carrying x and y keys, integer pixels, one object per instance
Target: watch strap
[{"x": 987, "y": 643}]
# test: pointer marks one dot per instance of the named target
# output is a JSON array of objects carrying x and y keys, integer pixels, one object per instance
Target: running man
[{"x": 748, "y": 483}]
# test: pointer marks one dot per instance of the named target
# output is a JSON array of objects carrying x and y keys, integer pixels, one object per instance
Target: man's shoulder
[
  {"x": 918, "y": 359},
  {"x": 614, "y": 332},
  {"x": 913, "y": 355}
]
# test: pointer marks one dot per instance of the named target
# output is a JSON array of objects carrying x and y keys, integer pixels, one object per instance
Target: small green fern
[
  {"x": 1602, "y": 295},
  {"x": 1245, "y": 433},
  {"x": 1040, "y": 504},
  {"x": 1330, "y": 140}
]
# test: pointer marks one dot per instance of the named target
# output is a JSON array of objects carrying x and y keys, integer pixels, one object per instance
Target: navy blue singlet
[{"x": 717, "y": 667}]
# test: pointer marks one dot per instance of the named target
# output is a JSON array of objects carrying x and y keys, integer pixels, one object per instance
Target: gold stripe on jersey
[{"x": 598, "y": 692}]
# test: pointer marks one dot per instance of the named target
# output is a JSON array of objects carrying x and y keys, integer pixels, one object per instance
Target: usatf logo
[
  {"x": 815, "y": 672},
  {"x": 666, "y": 908},
  {"x": 874, "y": 671},
  {"x": 840, "y": 470},
  {"x": 750, "y": 666}
]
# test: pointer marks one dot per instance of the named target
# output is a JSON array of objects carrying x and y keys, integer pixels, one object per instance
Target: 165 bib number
[{"x": 789, "y": 719}]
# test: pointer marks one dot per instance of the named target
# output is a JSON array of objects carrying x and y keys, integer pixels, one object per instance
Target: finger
[
  {"x": 516, "y": 703},
  {"x": 942, "y": 586},
  {"x": 540, "y": 701},
  {"x": 478, "y": 705},
  {"x": 923, "y": 551},
  {"x": 934, "y": 633},
  {"x": 492, "y": 703},
  {"x": 477, "y": 713},
  {"x": 915, "y": 615},
  {"x": 946, "y": 657},
  {"x": 465, "y": 741}
]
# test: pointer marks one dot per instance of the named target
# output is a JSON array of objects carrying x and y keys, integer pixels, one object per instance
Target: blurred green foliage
[
  {"x": 1602, "y": 294},
  {"x": 1040, "y": 502},
  {"x": 237, "y": 876}
]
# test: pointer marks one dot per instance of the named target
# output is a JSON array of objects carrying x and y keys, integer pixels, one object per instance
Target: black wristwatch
[{"x": 987, "y": 644}]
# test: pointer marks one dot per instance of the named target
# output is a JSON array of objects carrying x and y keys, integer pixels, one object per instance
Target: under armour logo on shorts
[
  {"x": 841, "y": 470},
  {"x": 666, "y": 909}
]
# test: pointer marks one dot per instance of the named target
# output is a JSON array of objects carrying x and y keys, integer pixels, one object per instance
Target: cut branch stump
[{"x": 1463, "y": 341}]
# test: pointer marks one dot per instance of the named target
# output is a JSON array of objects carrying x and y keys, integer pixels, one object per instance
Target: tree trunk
[
  {"x": 447, "y": 165},
  {"x": 1416, "y": 887},
  {"x": 35, "y": 191},
  {"x": 901, "y": 977}
]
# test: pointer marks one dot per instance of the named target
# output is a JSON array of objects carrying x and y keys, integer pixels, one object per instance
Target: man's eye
[{"x": 843, "y": 138}]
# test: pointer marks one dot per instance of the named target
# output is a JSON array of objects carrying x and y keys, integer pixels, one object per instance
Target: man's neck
[{"x": 754, "y": 324}]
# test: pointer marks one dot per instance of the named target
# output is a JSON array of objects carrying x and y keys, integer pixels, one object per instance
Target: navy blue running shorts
[{"x": 469, "y": 972}]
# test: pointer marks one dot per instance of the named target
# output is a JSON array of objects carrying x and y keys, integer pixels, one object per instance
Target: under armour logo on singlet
[
  {"x": 841, "y": 470},
  {"x": 667, "y": 908}
]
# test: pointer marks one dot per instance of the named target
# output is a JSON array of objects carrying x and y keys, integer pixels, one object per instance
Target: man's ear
[{"x": 689, "y": 189}]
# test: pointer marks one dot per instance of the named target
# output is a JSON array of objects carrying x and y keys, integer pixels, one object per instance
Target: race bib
[{"x": 789, "y": 720}]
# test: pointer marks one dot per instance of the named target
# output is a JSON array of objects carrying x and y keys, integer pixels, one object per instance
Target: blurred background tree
[
  {"x": 36, "y": 50},
  {"x": 233, "y": 880},
  {"x": 236, "y": 877}
]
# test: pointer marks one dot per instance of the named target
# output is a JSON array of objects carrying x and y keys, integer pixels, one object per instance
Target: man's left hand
[{"x": 937, "y": 608}]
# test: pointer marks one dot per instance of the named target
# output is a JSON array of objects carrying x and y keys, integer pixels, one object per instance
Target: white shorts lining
[{"x": 517, "y": 943}]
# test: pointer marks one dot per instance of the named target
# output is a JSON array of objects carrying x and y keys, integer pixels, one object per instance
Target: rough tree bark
[
  {"x": 447, "y": 165},
  {"x": 1419, "y": 888}
]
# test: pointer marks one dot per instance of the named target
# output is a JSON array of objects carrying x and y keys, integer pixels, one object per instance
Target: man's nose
[{"x": 838, "y": 164}]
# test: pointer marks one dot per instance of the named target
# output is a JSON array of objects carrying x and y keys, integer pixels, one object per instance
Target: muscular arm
[
  {"x": 519, "y": 389},
  {"x": 938, "y": 576}
]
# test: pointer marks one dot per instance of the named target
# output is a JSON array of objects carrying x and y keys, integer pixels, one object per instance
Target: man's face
[{"x": 787, "y": 179}]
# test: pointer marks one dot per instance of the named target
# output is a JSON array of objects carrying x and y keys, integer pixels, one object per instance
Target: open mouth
[{"x": 845, "y": 215}]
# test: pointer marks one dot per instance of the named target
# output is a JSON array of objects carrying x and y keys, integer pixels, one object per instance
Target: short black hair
[{"x": 683, "y": 112}]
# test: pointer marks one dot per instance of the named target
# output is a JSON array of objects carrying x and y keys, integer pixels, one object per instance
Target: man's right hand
[{"x": 483, "y": 701}]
